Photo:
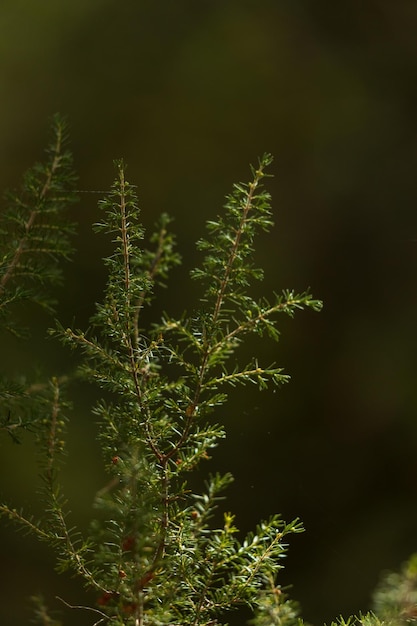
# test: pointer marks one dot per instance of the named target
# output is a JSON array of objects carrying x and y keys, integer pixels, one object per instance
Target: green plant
[
  {"x": 35, "y": 235},
  {"x": 395, "y": 598},
  {"x": 157, "y": 553}
]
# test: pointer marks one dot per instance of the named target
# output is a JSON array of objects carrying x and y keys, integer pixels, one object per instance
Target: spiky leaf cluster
[
  {"x": 34, "y": 229},
  {"x": 34, "y": 238},
  {"x": 395, "y": 598},
  {"x": 158, "y": 553}
]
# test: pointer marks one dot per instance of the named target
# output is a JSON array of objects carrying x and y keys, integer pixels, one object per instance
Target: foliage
[
  {"x": 34, "y": 234},
  {"x": 154, "y": 554},
  {"x": 34, "y": 238},
  {"x": 157, "y": 551},
  {"x": 395, "y": 598}
]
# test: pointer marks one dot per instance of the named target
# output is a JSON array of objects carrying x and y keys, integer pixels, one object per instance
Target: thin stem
[
  {"x": 15, "y": 515},
  {"x": 223, "y": 286},
  {"x": 34, "y": 213},
  {"x": 85, "y": 608},
  {"x": 128, "y": 331},
  {"x": 126, "y": 263},
  {"x": 256, "y": 567},
  {"x": 235, "y": 246},
  {"x": 125, "y": 235},
  {"x": 252, "y": 322},
  {"x": 51, "y": 443},
  {"x": 151, "y": 273},
  {"x": 190, "y": 411}
]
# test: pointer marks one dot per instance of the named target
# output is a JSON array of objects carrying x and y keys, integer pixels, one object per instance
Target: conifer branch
[
  {"x": 152, "y": 554},
  {"x": 33, "y": 233}
]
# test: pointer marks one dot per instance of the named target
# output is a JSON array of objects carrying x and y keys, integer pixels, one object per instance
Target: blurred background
[{"x": 190, "y": 93}]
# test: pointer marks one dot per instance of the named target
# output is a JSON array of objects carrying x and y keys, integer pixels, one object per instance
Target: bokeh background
[{"x": 189, "y": 93}]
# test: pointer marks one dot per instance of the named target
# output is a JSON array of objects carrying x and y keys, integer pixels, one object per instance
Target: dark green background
[{"x": 189, "y": 93}]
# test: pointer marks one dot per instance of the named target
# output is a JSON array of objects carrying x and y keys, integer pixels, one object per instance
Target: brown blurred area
[{"x": 189, "y": 93}]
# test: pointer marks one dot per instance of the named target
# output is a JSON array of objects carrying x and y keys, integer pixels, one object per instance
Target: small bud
[{"x": 128, "y": 543}]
